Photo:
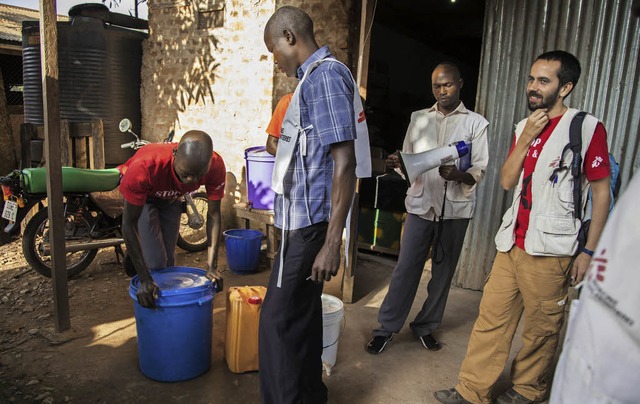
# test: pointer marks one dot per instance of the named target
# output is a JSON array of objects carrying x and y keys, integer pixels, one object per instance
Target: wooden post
[
  {"x": 366, "y": 24},
  {"x": 96, "y": 144},
  {"x": 51, "y": 107},
  {"x": 81, "y": 156},
  {"x": 348, "y": 279},
  {"x": 66, "y": 157},
  {"x": 366, "y": 21}
]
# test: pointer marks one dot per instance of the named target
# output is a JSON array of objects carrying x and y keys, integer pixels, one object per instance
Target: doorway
[{"x": 408, "y": 39}]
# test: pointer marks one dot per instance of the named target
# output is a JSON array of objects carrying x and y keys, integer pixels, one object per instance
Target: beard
[{"x": 545, "y": 102}]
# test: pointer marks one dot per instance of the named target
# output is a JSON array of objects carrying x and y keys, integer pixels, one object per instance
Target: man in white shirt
[{"x": 439, "y": 205}]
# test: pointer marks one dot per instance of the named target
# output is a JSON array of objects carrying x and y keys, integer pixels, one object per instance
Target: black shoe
[
  {"x": 377, "y": 344},
  {"x": 450, "y": 396},
  {"x": 513, "y": 397},
  {"x": 429, "y": 342}
]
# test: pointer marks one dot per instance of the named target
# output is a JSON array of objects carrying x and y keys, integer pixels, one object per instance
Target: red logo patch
[{"x": 600, "y": 264}]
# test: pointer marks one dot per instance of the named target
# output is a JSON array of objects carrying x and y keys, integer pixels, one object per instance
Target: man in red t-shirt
[
  {"x": 538, "y": 256},
  {"x": 153, "y": 182}
]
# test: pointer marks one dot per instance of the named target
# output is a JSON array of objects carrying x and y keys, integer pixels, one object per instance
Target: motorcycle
[{"x": 92, "y": 214}]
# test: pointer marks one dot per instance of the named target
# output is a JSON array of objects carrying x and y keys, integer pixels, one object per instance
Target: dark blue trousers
[{"x": 290, "y": 333}]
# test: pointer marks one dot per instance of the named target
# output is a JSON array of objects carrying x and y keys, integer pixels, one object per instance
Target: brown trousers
[{"x": 518, "y": 283}]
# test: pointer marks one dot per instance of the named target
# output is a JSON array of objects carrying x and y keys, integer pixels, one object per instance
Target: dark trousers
[
  {"x": 417, "y": 238},
  {"x": 159, "y": 227},
  {"x": 290, "y": 333}
]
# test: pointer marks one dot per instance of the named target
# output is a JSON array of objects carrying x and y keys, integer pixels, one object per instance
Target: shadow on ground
[{"x": 96, "y": 360}]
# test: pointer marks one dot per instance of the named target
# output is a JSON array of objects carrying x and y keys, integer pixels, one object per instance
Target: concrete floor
[
  {"x": 96, "y": 361},
  {"x": 404, "y": 373}
]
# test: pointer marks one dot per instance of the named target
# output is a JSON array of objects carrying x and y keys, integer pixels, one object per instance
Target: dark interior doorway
[{"x": 408, "y": 39}]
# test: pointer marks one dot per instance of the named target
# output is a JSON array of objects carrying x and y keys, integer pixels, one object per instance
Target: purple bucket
[{"x": 259, "y": 171}]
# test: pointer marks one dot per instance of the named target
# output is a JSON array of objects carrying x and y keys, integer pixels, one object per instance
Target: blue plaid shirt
[{"x": 326, "y": 102}]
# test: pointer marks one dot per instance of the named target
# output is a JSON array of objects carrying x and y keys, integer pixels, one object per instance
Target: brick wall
[
  {"x": 222, "y": 80},
  {"x": 335, "y": 24}
]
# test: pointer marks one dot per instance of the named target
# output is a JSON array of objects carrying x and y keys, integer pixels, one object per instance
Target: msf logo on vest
[
  {"x": 361, "y": 117},
  {"x": 283, "y": 137},
  {"x": 598, "y": 266}
]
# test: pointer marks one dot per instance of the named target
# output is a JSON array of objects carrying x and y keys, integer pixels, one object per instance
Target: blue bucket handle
[
  {"x": 205, "y": 299},
  {"x": 235, "y": 237}
]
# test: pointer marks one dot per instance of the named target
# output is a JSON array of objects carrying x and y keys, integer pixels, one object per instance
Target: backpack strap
[{"x": 575, "y": 144}]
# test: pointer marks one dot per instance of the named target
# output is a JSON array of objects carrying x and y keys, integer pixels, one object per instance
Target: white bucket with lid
[{"x": 332, "y": 316}]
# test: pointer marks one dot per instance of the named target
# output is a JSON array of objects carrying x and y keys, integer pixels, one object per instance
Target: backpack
[{"x": 575, "y": 144}]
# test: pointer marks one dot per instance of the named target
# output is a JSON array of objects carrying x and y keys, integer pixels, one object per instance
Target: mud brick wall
[
  {"x": 205, "y": 66},
  {"x": 335, "y": 24}
]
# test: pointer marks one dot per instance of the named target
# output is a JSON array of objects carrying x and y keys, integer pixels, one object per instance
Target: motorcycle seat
[{"x": 79, "y": 180}]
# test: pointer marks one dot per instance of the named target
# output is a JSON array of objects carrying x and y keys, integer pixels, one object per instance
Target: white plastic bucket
[{"x": 332, "y": 315}]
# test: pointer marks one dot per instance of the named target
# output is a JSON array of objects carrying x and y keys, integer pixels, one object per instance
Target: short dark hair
[
  {"x": 569, "y": 66},
  {"x": 449, "y": 66},
  {"x": 292, "y": 19}
]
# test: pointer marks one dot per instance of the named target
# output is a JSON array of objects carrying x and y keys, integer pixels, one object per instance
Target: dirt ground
[
  {"x": 37, "y": 364},
  {"x": 96, "y": 361}
]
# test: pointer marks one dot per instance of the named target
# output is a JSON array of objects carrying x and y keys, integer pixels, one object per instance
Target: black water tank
[{"x": 99, "y": 77}]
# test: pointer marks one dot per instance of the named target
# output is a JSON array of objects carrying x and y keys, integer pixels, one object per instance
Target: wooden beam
[
  {"x": 96, "y": 144},
  {"x": 51, "y": 107},
  {"x": 80, "y": 155},
  {"x": 348, "y": 280},
  {"x": 66, "y": 151},
  {"x": 362, "y": 72},
  {"x": 366, "y": 24}
]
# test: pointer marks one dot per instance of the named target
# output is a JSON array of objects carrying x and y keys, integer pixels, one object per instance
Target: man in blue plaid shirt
[{"x": 318, "y": 182}]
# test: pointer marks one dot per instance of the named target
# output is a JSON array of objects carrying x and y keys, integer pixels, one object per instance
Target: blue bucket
[
  {"x": 174, "y": 340},
  {"x": 243, "y": 250}
]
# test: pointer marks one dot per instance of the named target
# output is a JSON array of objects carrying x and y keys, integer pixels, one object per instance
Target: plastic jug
[{"x": 243, "y": 316}]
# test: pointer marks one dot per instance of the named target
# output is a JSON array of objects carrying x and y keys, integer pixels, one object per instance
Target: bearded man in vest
[{"x": 538, "y": 255}]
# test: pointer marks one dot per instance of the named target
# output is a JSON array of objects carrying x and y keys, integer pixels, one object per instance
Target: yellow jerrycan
[{"x": 243, "y": 315}]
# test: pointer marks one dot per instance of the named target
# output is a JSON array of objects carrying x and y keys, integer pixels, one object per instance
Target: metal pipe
[
  {"x": 45, "y": 248},
  {"x": 195, "y": 218}
]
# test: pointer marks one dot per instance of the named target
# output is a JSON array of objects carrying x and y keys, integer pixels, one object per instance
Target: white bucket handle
[{"x": 344, "y": 322}]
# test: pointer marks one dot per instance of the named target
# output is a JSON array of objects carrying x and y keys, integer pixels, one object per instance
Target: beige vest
[
  {"x": 552, "y": 228},
  {"x": 426, "y": 192}
]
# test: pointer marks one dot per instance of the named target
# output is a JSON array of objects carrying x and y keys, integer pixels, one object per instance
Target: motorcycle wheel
[
  {"x": 189, "y": 239},
  {"x": 36, "y": 232}
]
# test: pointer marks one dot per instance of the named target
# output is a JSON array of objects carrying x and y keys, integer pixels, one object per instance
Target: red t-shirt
[
  {"x": 596, "y": 166},
  {"x": 275, "y": 125},
  {"x": 149, "y": 174}
]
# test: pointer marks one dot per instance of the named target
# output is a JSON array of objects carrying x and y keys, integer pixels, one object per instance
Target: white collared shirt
[{"x": 429, "y": 129}]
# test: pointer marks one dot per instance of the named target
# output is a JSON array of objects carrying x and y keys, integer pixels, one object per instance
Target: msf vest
[{"x": 553, "y": 231}]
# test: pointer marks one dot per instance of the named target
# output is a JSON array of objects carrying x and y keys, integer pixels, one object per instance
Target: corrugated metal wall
[{"x": 605, "y": 37}]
